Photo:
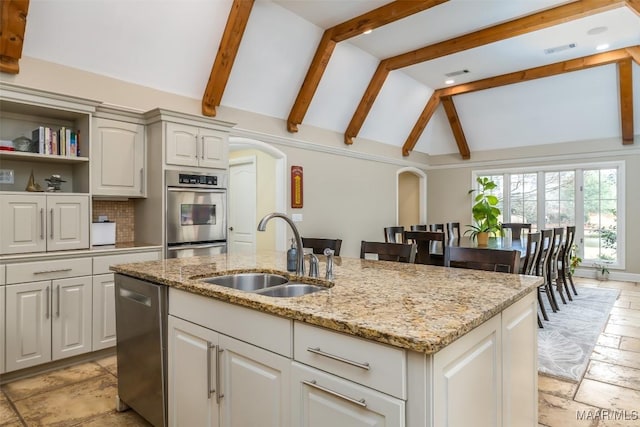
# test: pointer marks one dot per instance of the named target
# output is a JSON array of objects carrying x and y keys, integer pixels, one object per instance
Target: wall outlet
[{"x": 296, "y": 217}]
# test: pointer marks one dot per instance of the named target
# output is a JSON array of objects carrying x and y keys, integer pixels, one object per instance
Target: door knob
[{"x": 230, "y": 228}]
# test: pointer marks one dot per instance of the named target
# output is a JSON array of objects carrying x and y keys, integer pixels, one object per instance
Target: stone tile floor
[{"x": 84, "y": 395}]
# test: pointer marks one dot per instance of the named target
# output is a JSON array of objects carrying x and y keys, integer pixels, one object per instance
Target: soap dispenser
[{"x": 292, "y": 257}]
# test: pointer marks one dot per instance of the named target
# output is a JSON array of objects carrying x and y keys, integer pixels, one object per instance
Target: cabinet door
[
  {"x": 117, "y": 158},
  {"x": 2, "y": 317},
  {"x": 320, "y": 399},
  {"x": 68, "y": 222},
  {"x": 255, "y": 386},
  {"x": 520, "y": 363},
  {"x": 214, "y": 149},
  {"x": 467, "y": 379},
  {"x": 104, "y": 312},
  {"x": 28, "y": 323},
  {"x": 23, "y": 226},
  {"x": 70, "y": 317},
  {"x": 192, "y": 362},
  {"x": 182, "y": 144}
]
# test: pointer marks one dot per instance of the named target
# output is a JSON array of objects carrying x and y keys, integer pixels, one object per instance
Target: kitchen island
[{"x": 385, "y": 344}]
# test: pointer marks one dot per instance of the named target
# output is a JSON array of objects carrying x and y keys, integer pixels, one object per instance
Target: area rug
[{"x": 568, "y": 337}]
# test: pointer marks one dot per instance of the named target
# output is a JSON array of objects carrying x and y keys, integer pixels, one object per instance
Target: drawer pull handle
[
  {"x": 41, "y": 224},
  {"x": 59, "y": 270},
  {"x": 316, "y": 350},
  {"x": 52, "y": 224},
  {"x": 210, "y": 391},
  {"x": 46, "y": 305},
  {"x": 360, "y": 402},
  {"x": 219, "y": 395}
]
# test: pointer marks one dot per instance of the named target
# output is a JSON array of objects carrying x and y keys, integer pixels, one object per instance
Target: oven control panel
[
  {"x": 184, "y": 178},
  {"x": 190, "y": 179}
]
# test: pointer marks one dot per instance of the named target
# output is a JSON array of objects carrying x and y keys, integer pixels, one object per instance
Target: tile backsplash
[{"x": 120, "y": 212}]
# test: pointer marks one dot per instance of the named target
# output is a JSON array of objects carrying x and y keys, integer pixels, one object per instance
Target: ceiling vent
[
  {"x": 456, "y": 73},
  {"x": 559, "y": 48}
]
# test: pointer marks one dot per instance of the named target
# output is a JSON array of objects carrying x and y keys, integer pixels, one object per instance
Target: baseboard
[{"x": 622, "y": 276}]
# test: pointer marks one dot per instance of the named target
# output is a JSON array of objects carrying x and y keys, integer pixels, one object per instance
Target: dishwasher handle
[{"x": 135, "y": 297}]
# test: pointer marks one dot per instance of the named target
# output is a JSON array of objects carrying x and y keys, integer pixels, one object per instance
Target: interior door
[{"x": 242, "y": 205}]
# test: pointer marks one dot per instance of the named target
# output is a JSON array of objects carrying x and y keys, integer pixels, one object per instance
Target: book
[
  {"x": 55, "y": 149},
  {"x": 47, "y": 140},
  {"x": 37, "y": 136},
  {"x": 72, "y": 146},
  {"x": 62, "y": 141},
  {"x": 67, "y": 140}
]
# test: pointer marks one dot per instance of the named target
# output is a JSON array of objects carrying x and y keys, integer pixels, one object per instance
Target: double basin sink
[{"x": 268, "y": 284}]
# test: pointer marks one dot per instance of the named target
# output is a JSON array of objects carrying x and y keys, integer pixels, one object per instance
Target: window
[{"x": 588, "y": 196}]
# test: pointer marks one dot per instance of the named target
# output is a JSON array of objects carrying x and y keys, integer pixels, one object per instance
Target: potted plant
[
  {"x": 574, "y": 259},
  {"x": 485, "y": 212},
  {"x": 602, "y": 272}
]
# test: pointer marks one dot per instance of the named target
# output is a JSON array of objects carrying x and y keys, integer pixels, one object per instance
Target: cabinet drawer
[
  {"x": 263, "y": 330},
  {"x": 45, "y": 270},
  {"x": 316, "y": 394},
  {"x": 101, "y": 264},
  {"x": 375, "y": 365}
]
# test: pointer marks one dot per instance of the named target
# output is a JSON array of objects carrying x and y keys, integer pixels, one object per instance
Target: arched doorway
[
  {"x": 270, "y": 170},
  {"x": 411, "y": 197}
]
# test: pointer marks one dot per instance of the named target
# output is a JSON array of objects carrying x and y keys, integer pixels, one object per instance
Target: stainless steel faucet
[
  {"x": 262, "y": 225},
  {"x": 329, "y": 254}
]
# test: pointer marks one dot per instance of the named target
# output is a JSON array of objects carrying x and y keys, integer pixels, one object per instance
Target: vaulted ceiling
[{"x": 526, "y": 72}]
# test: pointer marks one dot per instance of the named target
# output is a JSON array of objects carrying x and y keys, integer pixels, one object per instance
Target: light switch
[{"x": 296, "y": 217}]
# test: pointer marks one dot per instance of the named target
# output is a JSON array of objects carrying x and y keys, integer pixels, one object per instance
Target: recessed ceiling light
[
  {"x": 602, "y": 46},
  {"x": 597, "y": 30},
  {"x": 367, "y": 32},
  {"x": 449, "y": 81}
]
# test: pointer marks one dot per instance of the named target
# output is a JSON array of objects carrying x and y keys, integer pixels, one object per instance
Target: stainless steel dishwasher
[{"x": 141, "y": 330}]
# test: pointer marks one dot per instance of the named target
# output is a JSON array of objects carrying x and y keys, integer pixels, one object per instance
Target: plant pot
[
  {"x": 483, "y": 239},
  {"x": 603, "y": 276}
]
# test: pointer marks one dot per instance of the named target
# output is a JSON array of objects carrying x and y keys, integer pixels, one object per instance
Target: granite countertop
[{"x": 411, "y": 306}]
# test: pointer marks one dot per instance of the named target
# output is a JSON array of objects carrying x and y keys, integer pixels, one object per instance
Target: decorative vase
[
  {"x": 603, "y": 276},
  {"x": 483, "y": 238}
]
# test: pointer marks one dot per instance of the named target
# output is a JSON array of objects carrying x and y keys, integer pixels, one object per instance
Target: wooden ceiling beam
[
  {"x": 619, "y": 56},
  {"x": 516, "y": 27},
  {"x": 229, "y": 45},
  {"x": 539, "y": 72},
  {"x": 634, "y": 5},
  {"x": 456, "y": 127},
  {"x": 13, "y": 21},
  {"x": 371, "y": 20},
  {"x": 421, "y": 123},
  {"x": 625, "y": 79},
  {"x": 634, "y": 52}
]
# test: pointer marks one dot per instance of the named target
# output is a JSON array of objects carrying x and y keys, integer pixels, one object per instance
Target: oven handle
[
  {"x": 196, "y": 190},
  {"x": 205, "y": 246}
]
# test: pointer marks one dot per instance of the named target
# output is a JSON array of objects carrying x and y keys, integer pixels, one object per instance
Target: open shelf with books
[{"x": 50, "y": 135}]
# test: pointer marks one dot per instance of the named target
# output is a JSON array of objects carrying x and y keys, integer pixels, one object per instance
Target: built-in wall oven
[{"x": 196, "y": 213}]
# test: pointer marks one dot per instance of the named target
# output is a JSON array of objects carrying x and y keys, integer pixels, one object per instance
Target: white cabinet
[
  {"x": 467, "y": 374},
  {"x": 2, "y": 318},
  {"x": 216, "y": 380},
  {"x": 118, "y": 158},
  {"x": 320, "y": 399},
  {"x": 196, "y": 146},
  {"x": 43, "y": 222},
  {"x": 47, "y": 320},
  {"x": 104, "y": 312},
  {"x": 104, "y": 302}
]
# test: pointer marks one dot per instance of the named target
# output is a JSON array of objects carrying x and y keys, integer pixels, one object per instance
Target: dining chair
[
  {"x": 516, "y": 228},
  {"x": 386, "y": 251},
  {"x": 419, "y": 227},
  {"x": 436, "y": 227},
  {"x": 564, "y": 268},
  {"x": 552, "y": 270},
  {"x": 318, "y": 245},
  {"x": 391, "y": 234},
  {"x": 429, "y": 246},
  {"x": 501, "y": 260},
  {"x": 529, "y": 267},
  {"x": 453, "y": 231},
  {"x": 546, "y": 239}
]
